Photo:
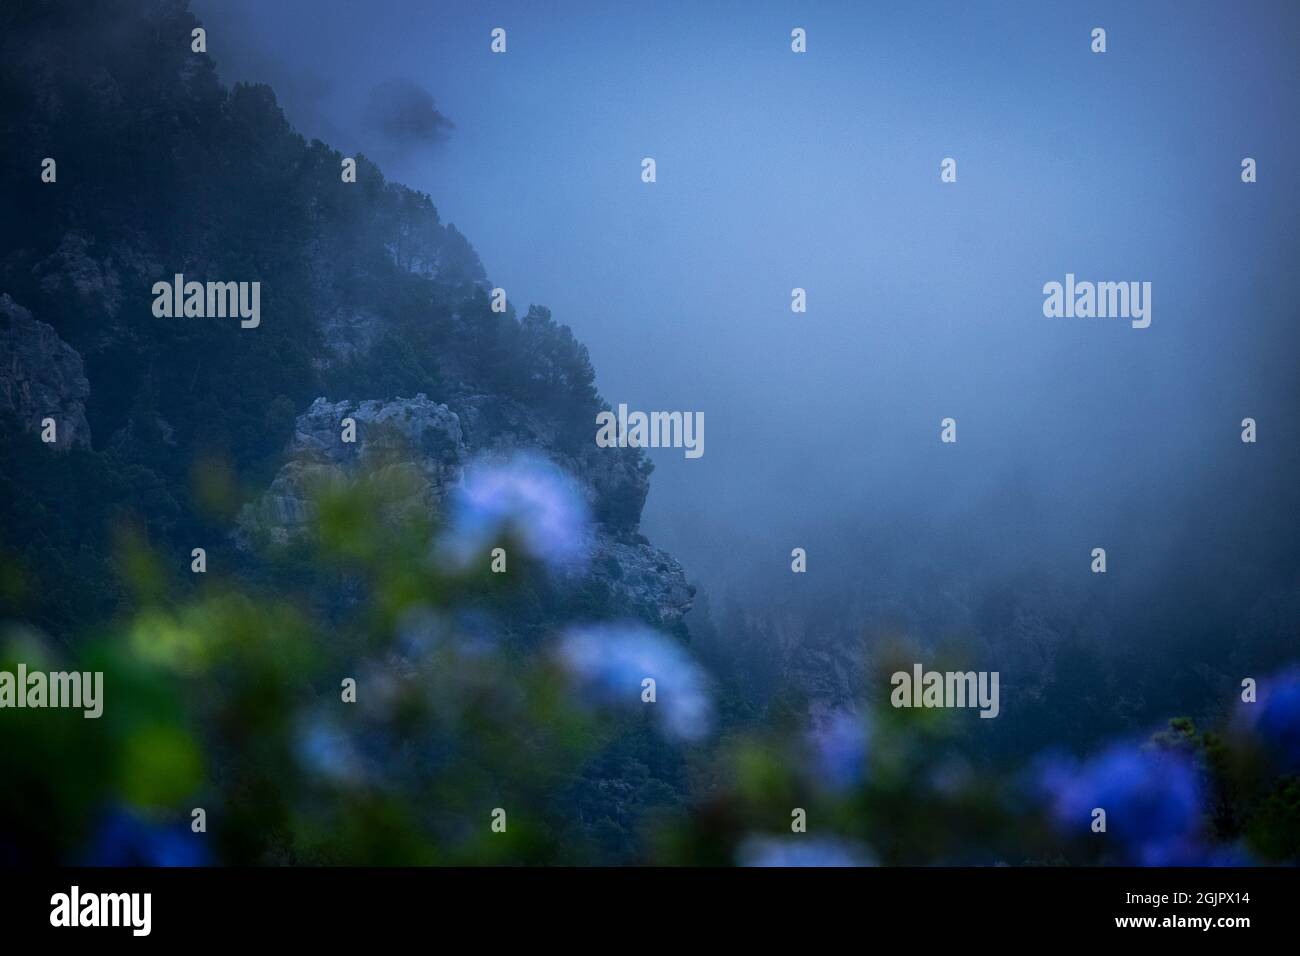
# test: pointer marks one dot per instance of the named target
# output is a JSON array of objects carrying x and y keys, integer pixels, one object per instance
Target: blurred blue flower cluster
[
  {"x": 609, "y": 662},
  {"x": 839, "y": 744},
  {"x": 124, "y": 838},
  {"x": 1275, "y": 718},
  {"x": 527, "y": 497},
  {"x": 800, "y": 851},
  {"x": 326, "y": 751},
  {"x": 1153, "y": 799}
]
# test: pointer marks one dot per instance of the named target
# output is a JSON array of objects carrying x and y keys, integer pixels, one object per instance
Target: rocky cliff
[
  {"x": 41, "y": 377},
  {"x": 372, "y": 308},
  {"x": 424, "y": 447}
]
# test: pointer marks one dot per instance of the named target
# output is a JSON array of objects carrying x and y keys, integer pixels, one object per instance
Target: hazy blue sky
[{"x": 821, "y": 170}]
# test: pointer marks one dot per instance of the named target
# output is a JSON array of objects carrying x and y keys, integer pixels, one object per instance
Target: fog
[{"x": 924, "y": 299}]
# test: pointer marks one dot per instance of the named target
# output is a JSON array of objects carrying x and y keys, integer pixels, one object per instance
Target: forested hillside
[{"x": 365, "y": 294}]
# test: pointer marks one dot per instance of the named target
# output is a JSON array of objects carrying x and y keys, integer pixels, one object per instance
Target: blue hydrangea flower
[
  {"x": 326, "y": 751},
  {"x": 527, "y": 496},
  {"x": 609, "y": 662},
  {"x": 1275, "y": 717},
  {"x": 124, "y": 838},
  {"x": 801, "y": 851},
  {"x": 839, "y": 744},
  {"x": 1153, "y": 801}
]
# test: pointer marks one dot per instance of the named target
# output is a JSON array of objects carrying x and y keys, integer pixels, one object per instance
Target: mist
[{"x": 924, "y": 299}]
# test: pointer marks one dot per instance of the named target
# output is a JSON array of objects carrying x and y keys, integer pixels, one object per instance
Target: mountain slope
[{"x": 367, "y": 300}]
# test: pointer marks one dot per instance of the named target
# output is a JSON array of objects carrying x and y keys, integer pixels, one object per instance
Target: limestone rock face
[
  {"x": 647, "y": 580},
  {"x": 41, "y": 376},
  {"x": 414, "y": 441},
  {"x": 424, "y": 447}
]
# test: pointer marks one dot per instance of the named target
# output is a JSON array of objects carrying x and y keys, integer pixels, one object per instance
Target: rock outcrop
[
  {"x": 413, "y": 439},
  {"x": 423, "y": 447},
  {"x": 41, "y": 376},
  {"x": 647, "y": 581}
]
